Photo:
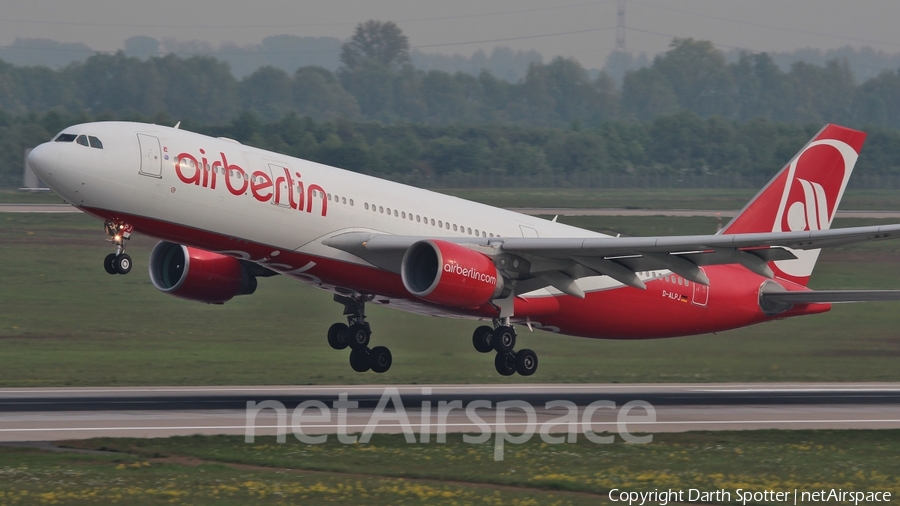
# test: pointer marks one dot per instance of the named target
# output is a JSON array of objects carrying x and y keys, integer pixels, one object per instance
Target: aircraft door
[
  {"x": 151, "y": 160},
  {"x": 700, "y": 296},
  {"x": 283, "y": 184}
]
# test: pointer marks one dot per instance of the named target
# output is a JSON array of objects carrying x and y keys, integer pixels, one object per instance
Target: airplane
[{"x": 227, "y": 214}]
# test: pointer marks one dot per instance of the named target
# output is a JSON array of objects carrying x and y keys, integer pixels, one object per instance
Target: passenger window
[
  {"x": 95, "y": 142},
  {"x": 476, "y": 232},
  {"x": 351, "y": 202},
  {"x": 454, "y": 228},
  {"x": 389, "y": 211},
  {"x": 65, "y": 138},
  {"x": 380, "y": 209},
  {"x": 470, "y": 231},
  {"x": 395, "y": 213},
  {"x": 403, "y": 215},
  {"x": 82, "y": 140},
  {"x": 367, "y": 206},
  {"x": 343, "y": 200},
  {"x": 418, "y": 218},
  {"x": 432, "y": 222}
]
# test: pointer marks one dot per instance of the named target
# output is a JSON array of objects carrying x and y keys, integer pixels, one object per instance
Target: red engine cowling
[
  {"x": 197, "y": 274},
  {"x": 450, "y": 274}
]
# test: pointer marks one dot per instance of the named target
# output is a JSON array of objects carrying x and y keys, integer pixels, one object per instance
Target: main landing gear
[
  {"x": 502, "y": 339},
  {"x": 118, "y": 262},
  {"x": 355, "y": 335}
]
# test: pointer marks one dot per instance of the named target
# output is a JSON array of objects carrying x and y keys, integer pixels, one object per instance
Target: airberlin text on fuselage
[{"x": 284, "y": 190}]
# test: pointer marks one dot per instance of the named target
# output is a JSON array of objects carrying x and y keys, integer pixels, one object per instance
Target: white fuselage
[{"x": 226, "y": 188}]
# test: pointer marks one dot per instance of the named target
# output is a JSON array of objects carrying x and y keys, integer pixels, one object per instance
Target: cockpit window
[
  {"x": 82, "y": 139},
  {"x": 65, "y": 138},
  {"x": 95, "y": 142}
]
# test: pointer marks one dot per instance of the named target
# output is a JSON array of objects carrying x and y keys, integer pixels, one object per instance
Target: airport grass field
[
  {"x": 387, "y": 470},
  {"x": 64, "y": 321}
]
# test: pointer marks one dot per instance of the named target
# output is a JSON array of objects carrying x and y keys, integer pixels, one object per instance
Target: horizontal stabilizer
[{"x": 821, "y": 296}]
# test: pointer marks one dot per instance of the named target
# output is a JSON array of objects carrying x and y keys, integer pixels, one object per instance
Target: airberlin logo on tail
[
  {"x": 815, "y": 182},
  {"x": 812, "y": 212},
  {"x": 281, "y": 187},
  {"x": 812, "y": 190},
  {"x": 470, "y": 273}
]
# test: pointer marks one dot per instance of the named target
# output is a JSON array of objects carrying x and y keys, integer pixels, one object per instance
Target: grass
[
  {"x": 63, "y": 321},
  {"x": 387, "y": 470},
  {"x": 21, "y": 197}
]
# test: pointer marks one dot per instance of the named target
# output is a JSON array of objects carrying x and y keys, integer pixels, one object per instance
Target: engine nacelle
[
  {"x": 197, "y": 274},
  {"x": 446, "y": 273}
]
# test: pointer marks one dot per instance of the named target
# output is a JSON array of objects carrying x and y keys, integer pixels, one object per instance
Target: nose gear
[{"x": 118, "y": 262}]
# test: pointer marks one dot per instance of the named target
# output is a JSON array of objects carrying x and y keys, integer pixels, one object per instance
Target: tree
[
  {"x": 699, "y": 77},
  {"x": 141, "y": 46},
  {"x": 646, "y": 94},
  {"x": 374, "y": 40},
  {"x": 268, "y": 92},
  {"x": 877, "y": 101},
  {"x": 822, "y": 94},
  {"x": 763, "y": 90},
  {"x": 317, "y": 93}
]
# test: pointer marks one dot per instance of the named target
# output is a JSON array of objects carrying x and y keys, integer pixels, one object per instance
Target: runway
[
  {"x": 533, "y": 211},
  {"x": 48, "y": 414}
]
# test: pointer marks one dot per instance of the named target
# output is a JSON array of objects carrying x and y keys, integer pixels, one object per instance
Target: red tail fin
[{"x": 804, "y": 195}]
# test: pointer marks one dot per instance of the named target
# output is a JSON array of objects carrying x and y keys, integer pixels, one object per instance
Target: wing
[{"x": 540, "y": 262}]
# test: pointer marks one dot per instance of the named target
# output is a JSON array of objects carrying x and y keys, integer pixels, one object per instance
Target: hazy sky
[{"x": 439, "y": 26}]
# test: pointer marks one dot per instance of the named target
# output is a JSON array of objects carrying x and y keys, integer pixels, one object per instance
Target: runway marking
[{"x": 432, "y": 426}]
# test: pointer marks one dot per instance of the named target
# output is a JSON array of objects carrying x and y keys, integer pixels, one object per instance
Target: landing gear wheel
[
  {"x": 504, "y": 339},
  {"x": 526, "y": 362},
  {"x": 505, "y": 362},
  {"x": 122, "y": 263},
  {"x": 358, "y": 336},
  {"x": 337, "y": 336},
  {"x": 359, "y": 359},
  {"x": 379, "y": 359},
  {"x": 482, "y": 339},
  {"x": 108, "y": 264}
]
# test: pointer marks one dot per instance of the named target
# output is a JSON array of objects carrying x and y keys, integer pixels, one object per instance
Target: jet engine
[
  {"x": 196, "y": 274},
  {"x": 449, "y": 274}
]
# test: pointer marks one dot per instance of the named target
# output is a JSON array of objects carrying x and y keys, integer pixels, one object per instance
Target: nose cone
[{"x": 44, "y": 160}]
